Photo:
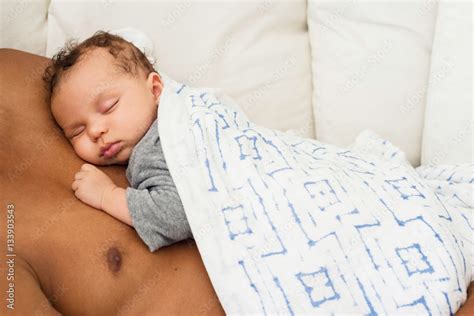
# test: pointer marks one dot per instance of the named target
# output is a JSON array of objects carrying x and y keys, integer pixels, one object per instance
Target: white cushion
[
  {"x": 23, "y": 25},
  {"x": 257, "y": 52},
  {"x": 447, "y": 137},
  {"x": 370, "y": 65}
]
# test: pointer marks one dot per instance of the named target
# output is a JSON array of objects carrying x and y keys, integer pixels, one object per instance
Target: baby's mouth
[{"x": 110, "y": 150}]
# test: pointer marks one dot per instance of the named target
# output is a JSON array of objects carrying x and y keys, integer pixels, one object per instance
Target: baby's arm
[
  {"x": 96, "y": 189},
  {"x": 114, "y": 203}
]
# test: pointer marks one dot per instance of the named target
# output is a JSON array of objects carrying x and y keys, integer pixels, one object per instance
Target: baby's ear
[{"x": 156, "y": 84}]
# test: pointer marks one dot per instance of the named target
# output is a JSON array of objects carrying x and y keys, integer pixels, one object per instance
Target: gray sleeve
[
  {"x": 158, "y": 216},
  {"x": 154, "y": 204}
]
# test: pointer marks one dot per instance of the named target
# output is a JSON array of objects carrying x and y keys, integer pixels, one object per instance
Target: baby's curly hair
[{"x": 129, "y": 58}]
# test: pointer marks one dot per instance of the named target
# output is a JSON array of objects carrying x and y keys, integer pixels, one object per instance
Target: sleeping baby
[{"x": 105, "y": 95}]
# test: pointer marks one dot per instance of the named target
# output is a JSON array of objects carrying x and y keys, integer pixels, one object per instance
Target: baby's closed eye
[
  {"x": 111, "y": 106},
  {"x": 77, "y": 132}
]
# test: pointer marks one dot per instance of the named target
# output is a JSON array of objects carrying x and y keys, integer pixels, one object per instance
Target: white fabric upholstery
[
  {"x": 370, "y": 68},
  {"x": 23, "y": 25},
  {"x": 257, "y": 52},
  {"x": 448, "y": 131}
]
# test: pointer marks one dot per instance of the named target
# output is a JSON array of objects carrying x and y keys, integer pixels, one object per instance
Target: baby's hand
[{"x": 90, "y": 184}]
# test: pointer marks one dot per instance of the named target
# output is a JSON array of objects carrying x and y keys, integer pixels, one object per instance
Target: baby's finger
[
  {"x": 79, "y": 175},
  {"x": 87, "y": 166},
  {"x": 75, "y": 185}
]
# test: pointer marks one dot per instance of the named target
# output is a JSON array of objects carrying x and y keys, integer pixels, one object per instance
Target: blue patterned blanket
[{"x": 291, "y": 225}]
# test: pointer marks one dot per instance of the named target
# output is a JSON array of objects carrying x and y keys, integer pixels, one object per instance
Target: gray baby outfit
[{"x": 153, "y": 201}]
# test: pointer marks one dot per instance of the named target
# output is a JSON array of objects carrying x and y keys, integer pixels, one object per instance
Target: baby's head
[{"x": 104, "y": 96}]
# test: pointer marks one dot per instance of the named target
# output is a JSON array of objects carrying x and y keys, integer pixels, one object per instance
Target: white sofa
[{"x": 324, "y": 69}]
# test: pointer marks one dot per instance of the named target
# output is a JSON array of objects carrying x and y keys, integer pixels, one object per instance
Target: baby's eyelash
[
  {"x": 112, "y": 106},
  {"x": 77, "y": 133}
]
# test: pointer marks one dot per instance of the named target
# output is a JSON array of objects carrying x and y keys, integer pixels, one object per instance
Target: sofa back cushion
[
  {"x": 449, "y": 121},
  {"x": 370, "y": 65}
]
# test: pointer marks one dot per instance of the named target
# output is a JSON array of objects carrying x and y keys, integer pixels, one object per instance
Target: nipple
[{"x": 114, "y": 259}]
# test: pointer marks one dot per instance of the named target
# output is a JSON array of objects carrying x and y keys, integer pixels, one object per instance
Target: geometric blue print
[
  {"x": 323, "y": 192},
  {"x": 236, "y": 221},
  {"x": 405, "y": 189},
  {"x": 248, "y": 143},
  {"x": 414, "y": 260},
  {"x": 318, "y": 286}
]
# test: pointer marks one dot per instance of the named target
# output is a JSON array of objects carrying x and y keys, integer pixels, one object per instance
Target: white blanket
[{"x": 291, "y": 225}]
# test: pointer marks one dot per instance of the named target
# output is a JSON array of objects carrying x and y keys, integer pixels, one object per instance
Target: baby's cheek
[{"x": 86, "y": 152}]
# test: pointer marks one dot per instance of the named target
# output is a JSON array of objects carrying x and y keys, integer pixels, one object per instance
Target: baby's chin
[
  {"x": 120, "y": 159},
  {"x": 114, "y": 161}
]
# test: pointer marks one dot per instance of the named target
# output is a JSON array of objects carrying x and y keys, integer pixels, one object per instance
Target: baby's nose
[{"x": 96, "y": 131}]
